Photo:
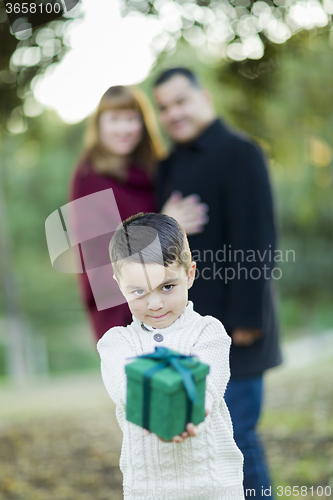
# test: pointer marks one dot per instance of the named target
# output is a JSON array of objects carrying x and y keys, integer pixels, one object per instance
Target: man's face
[
  {"x": 156, "y": 295},
  {"x": 185, "y": 110}
]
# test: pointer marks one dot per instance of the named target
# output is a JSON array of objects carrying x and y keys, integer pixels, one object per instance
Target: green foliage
[
  {"x": 71, "y": 348},
  {"x": 247, "y": 27},
  {"x": 37, "y": 167},
  {"x": 16, "y": 74},
  {"x": 286, "y": 109}
]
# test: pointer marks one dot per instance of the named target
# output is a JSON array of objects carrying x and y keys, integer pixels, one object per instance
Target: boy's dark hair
[
  {"x": 149, "y": 238},
  {"x": 180, "y": 70}
]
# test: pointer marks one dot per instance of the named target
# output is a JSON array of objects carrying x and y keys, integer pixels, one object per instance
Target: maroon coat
[{"x": 132, "y": 196}]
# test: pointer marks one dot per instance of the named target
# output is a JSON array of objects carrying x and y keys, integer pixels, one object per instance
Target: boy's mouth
[{"x": 158, "y": 317}]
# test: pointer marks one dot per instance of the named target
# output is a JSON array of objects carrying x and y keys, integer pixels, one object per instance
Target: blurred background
[{"x": 269, "y": 68}]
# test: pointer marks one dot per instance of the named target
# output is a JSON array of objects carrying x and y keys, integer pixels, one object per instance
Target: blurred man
[{"x": 235, "y": 250}]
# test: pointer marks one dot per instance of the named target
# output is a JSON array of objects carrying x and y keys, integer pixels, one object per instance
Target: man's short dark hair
[
  {"x": 149, "y": 238},
  {"x": 170, "y": 73}
]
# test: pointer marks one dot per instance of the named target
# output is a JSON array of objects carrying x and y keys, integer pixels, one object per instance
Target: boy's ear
[
  {"x": 191, "y": 275},
  {"x": 115, "y": 278}
]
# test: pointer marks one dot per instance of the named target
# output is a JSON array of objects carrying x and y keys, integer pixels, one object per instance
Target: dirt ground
[{"x": 59, "y": 439}]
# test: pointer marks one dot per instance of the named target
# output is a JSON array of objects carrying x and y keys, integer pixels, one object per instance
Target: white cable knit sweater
[{"x": 208, "y": 465}]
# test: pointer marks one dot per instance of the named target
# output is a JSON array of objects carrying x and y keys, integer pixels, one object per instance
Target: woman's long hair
[{"x": 149, "y": 150}]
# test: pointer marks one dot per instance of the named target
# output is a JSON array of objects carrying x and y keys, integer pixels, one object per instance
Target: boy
[{"x": 153, "y": 267}]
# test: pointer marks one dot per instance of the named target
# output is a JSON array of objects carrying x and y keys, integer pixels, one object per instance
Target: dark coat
[{"x": 228, "y": 171}]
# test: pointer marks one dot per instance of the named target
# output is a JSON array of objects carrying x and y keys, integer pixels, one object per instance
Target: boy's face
[{"x": 156, "y": 295}]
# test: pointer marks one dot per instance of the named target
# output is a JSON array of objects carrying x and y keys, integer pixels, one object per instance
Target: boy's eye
[
  {"x": 139, "y": 293},
  {"x": 167, "y": 288}
]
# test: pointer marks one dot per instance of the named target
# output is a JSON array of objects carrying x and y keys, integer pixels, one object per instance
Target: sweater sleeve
[
  {"x": 212, "y": 347},
  {"x": 114, "y": 349}
]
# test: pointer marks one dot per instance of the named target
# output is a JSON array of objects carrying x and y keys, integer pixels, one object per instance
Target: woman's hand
[
  {"x": 188, "y": 211},
  {"x": 191, "y": 431}
]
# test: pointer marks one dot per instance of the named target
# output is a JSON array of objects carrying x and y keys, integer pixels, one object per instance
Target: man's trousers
[{"x": 244, "y": 399}]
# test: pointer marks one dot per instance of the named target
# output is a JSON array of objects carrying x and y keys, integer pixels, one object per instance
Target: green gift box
[{"x": 165, "y": 391}]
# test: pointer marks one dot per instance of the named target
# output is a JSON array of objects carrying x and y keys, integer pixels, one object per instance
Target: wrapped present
[{"x": 165, "y": 391}]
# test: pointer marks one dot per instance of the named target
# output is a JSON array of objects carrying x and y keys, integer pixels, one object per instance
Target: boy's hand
[{"x": 191, "y": 431}]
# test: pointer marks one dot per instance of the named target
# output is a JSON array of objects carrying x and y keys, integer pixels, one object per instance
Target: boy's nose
[{"x": 155, "y": 303}]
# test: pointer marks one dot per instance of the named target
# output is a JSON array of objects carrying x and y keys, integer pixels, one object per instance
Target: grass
[
  {"x": 299, "y": 318},
  {"x": 297, "y": 427},
  {"x": 59, "y": 438}
]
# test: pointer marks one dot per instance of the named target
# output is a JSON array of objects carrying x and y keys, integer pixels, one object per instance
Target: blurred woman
[{"x": 123, "y": 147}]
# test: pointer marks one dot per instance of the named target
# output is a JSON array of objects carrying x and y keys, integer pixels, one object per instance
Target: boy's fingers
[
  {"x": 177, "y": 439},
  {"x": 191, "y": 429}
]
